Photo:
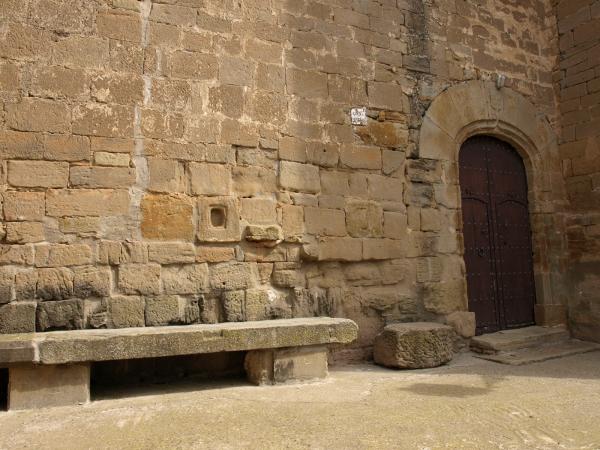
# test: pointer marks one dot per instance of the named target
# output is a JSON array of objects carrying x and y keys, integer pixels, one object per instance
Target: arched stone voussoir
[
  {"x": 479, "y": 107},
  {"x": 460, "y": 105},
  {"x": 435, "y": 142}
]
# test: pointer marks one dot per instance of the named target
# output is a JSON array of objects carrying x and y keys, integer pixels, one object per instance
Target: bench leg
[
  {"x": 283, "y": 365},
  {"x": 37, "y": 386}
]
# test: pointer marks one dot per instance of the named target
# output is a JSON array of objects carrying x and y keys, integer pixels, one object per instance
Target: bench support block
[
  {"x": 277, "y": 366},
  {"x": 37, "y": 386}
]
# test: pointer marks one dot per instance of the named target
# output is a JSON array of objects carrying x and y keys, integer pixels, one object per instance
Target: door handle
[{"x": 481, "y": 252}]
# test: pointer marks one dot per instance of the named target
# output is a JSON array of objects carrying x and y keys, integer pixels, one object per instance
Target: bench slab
[
  {"x": 53, "y": 369},
  {"x": 67, "y": 347}
]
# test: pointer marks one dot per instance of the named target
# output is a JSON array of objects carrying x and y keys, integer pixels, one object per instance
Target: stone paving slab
[
  {"x": 510, "y": 340},
  {"x": 542, "y": 353}
]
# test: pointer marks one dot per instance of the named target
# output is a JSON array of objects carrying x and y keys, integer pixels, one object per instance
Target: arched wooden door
[{"x": 497, "y": 235}]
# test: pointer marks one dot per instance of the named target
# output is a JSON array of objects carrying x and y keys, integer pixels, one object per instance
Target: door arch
[{"x": 498, "y": 250}]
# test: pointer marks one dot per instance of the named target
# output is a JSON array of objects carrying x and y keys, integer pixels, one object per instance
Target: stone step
[
  {"x": 542, "y": 352},
  {"x": 510, "y": 340}
]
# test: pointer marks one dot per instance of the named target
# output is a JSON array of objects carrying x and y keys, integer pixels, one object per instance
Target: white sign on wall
[{"x": 358, "y": 116}]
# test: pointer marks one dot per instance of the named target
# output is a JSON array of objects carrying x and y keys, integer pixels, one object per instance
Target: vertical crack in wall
[{"x": 139, "y": 157}]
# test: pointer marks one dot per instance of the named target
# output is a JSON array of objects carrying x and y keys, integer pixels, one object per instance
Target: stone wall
[
  {"x": 579, "y": 78},
  {"x": 181, "y": 161}
]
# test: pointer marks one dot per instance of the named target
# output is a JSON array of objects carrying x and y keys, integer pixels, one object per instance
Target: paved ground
[{"x": 470, "y": 404}]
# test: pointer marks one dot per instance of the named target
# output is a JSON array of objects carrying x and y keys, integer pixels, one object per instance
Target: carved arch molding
[{"x": 480, "y": 108}]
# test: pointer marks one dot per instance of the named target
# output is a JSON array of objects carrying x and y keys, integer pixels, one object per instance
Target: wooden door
[{"x": 497, "y": 235}]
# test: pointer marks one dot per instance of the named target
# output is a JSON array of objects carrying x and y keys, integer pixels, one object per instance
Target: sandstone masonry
[{"x": 185, "y": 161}]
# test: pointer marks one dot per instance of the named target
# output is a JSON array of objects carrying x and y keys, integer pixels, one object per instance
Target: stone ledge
[{"x": 67, "y": 347}]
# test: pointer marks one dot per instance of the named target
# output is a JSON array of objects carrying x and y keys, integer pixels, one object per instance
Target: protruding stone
[
  {"x": 266, "y": 235},
  {"x": 463, "y": 323},
  {"x": 418, "y": 345}
]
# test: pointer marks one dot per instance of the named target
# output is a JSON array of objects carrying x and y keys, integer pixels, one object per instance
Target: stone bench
[{"x": 53, "y": 369}]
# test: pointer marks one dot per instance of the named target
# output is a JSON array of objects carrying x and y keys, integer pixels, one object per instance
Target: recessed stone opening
[
  {"x": 114, "y": 379},
  {"x": 218, "y": 216},
  {"x": 3, "y": 389}
]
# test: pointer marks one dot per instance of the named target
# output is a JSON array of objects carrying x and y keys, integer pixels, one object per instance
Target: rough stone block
[
  {"x": 86, "y": 202},
  {"x": 61, "y": 255},
  {"x": 187, "y": 279},
  {"x": 102, "y": 177},
  {"x": 340, "y": 249},
  {"x": 214, "y": 254},
  {"x": 19, "y": 206},
  {"x": 418, "y": 345},
  {"x": 16, "y": 254},
  {"x": 167, "y": 217},
  {"x": 7, "y": 283},
  {"x": 325, "y": 222},
  {"x": 91, "y": 282},
  {"x": 17, "y": 317},
  {"x": 113, "y": 160},
  {"x": 126, "y": 312},
  {"x": 265, "y": 235},
  {"x": 257, "y": 304},
  {"x": 163, "y": 310},
  {"x": 44, "y": 174},
  {"x": 61, "y": 315},
  {"x": 166, "y": 175},
  {"x": 234, "y": 306},
  {"x": 264, "y": 367},
  {"x": 233, "y": 276},
  {"x": 24, "y": 232},
  {"x": 258, "y": 211},
  {"x": 299, "y": 177},
  {"x": 45, "y": 284},
  {"x": 463, "y": 323},
  {"x": 364, "y": 219},
  {"x": 141, "y": 279},
  {"x": 171, "y": 253},
  {"x": 38, "y": 386},
  {"x": 218, "y": 220},
  {"x": 34, "y": 114},
  {"x": 210, "y": 179}
]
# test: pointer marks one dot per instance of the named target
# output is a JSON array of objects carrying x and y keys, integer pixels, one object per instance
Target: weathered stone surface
[
  {"x": 24, "y": 232},
  {"x": 417, "y": 345},
  {"x": 187, "y": 279},
  {"x": 210, "y": 179},
  {"x": 125, "y": 312},
  {"x": 106, "y": 345},
  {"x": 44, "y": 284},
  {"x": 463, "y": 323},
  {"x": 364, "y": 219},
  {"x": 20, "y": 206},
  {"x": 83, "y": 202},
  {"x": 17, "y": 317},
  {"x": 141, "y": 279},
  {"x": 267, "y": 235},
  {"x": 266, "y": 367},
  {"x": 232, "y": 276},
  {"x": 33, "y": 387},
  {"x": 61, "y": 315},
  {"x": 57, "y": 255},
  {"x": 167, "y": 217},
  {"x": 299, "y": 177},
  {"x": 91, "y": 282},
  {"x": 171, "y": 253},
  {"x": 163, "y": 310}
]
